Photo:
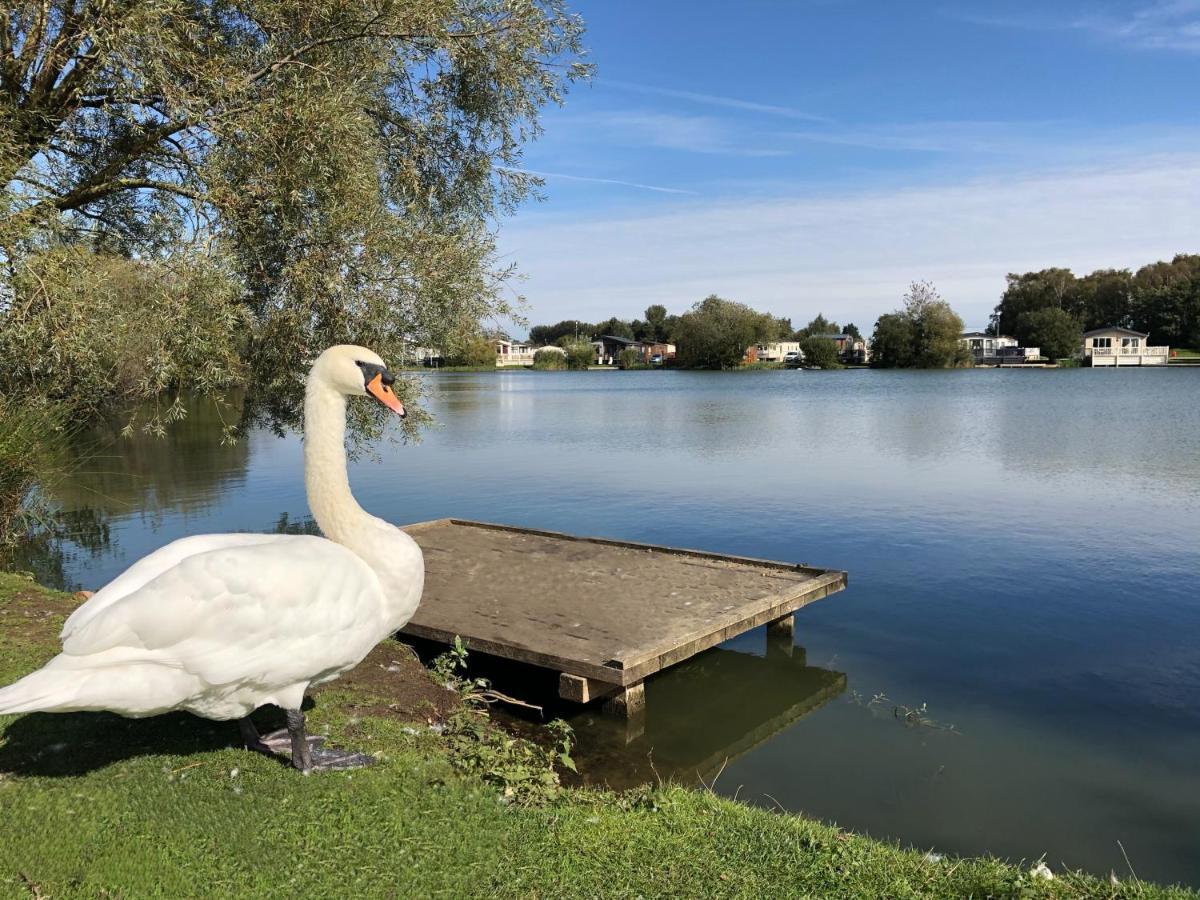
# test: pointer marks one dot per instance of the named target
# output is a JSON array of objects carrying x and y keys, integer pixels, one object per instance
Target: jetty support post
[
  {"x": 781, "y": 636},
  {"x": 629, "y": 705}
]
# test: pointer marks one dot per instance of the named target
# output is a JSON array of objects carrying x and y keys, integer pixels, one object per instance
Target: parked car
[
  {"x": 656, "y": 359},
  {"x": 793, "y": 358}
]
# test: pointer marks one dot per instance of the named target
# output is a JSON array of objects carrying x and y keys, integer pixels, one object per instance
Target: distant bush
[
  {"x": 629, "y": 358},
  {"x": 478, "y": 351},
  {"x": 580, "y": 356},
  {"x": 820, "y": 351},
  {"x": 549, "y": 360}
]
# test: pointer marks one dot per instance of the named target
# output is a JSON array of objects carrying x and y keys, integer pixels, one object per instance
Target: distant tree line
[
  {"x": 713, "y": 334},
  {"x": 1051, "y": 309}
]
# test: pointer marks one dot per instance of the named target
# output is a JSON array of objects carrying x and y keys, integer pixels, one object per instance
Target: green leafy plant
[
  {"x": 550, "y": 360},
  {"x": 525, "y": 770},
  {"x": 630, "y": 358},
  {"x": 580, "y": 356}
]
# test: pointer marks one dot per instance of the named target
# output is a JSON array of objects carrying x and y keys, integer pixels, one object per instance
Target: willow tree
[{"x": 342, "y": 162}]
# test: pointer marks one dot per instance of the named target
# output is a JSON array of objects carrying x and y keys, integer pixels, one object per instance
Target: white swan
[{"x": 221, "y": 624}]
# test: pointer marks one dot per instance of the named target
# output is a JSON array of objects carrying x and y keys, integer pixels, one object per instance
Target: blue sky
[{"x": 818, "y": 155}]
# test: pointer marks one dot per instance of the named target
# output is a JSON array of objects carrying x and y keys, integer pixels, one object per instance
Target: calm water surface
[{"x": 1023, "y": 549}]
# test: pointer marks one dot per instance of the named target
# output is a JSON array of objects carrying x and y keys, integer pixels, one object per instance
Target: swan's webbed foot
[
  {"x": 307, "y": 758},
  {"x": 337, "y": 760},
  {"x": 277, "y": 743}
]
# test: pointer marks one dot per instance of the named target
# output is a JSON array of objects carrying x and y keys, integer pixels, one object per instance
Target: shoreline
[{"x": 431, "y": 817}]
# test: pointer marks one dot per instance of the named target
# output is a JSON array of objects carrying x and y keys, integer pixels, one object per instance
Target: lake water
[{"x": 1023, "y": 549}]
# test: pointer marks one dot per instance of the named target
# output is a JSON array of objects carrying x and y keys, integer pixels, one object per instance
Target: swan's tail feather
[
  {"x": 45, "y": 690},
  {"x": 71, "y": 685}
]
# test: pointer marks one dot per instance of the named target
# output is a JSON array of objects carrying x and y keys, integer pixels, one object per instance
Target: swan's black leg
[
  {"x": 307, "y": 758},
  {"x": 277, "y": 743},
  {"x": 251, "y": 738},
  {"x": 301, "y": 752}
]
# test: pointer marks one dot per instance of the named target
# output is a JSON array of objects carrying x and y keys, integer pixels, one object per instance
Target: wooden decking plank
[{"x": 608, "y": 610}]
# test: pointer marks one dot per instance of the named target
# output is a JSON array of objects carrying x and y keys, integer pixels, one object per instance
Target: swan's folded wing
[
  {"x": 151, "y": 566},
  {"x": 243, "y": 612}
]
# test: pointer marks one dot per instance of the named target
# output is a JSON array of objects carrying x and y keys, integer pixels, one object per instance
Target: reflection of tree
[
  {"x": 184, "y": 470},
  {"x": 51, "y": 551},
  {"x": 305, "y": 525}
]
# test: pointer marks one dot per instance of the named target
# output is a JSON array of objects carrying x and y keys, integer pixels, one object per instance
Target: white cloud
[
  {"x": 786, "y": 112},
  {"x": 1169, "y": 25},
  {"x": 671, "y": 131},
  {"x": 1162, "y": 25},
  {"x": 852, "y": 255},
  {"x": 588, "y": 178}
]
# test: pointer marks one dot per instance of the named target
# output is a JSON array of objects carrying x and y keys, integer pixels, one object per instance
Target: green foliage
[
  {"x": 1162, "y": 299},
  {"x": 893, "y": 343},
  {"x": 32, "y": 457},
  {"x": 580, "y": 356},
  {"x": 819, "y": 325},
  {"x": 924, "y": 335},
  {"x": 715, "y": 333},
  {"x": 549, "y": 360},
  {"x": 1055, "y": 332},
  {"x": 446, "y": 667},
  {"x": 344, "y": 162},
  {"x": 656, "y": 321},
  {"x": 851, "y": 329},
  {"x": 1166, "y": 301},
  {"x": 569, "y": 331},
  {"x": 819, "y": 351},
  {"x": 630, "y": 358},
  {"x": 95, "y": 332},
  {"x": 524, "y": 771},
  {"x": 476, "y": 352},
  {"x": 615, "y": 327}
]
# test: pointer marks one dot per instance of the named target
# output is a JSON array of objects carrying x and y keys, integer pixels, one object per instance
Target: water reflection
[
  {"x": 187, "y": 470},
  {"x": 704, "y": 714}
]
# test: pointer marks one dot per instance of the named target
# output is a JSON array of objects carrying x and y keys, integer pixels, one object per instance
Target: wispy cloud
[
  {"x": 616, "y": 181},
  {"x": 983, "y": 137},
  {"x": 674, "y": 131},
  {"x": 1162, "y": 25},
  {"x": 852, "y": 254},
  {"x": 770, "y": 109},
  {"x": 1170, "y": 25}
]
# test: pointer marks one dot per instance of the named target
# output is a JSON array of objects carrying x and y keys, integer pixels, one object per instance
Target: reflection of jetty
[
  {"x": 707, "y": 712},
  {"x": 604, "y": 614}
]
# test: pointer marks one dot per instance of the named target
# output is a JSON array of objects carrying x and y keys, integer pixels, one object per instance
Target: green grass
[
  {"x": 1183, "y": 353},
  {"x": 94, "y": 805}
]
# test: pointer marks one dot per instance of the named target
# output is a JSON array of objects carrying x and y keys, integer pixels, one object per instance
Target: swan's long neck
[
  {"x": 325, "y": 477},
  {"x": 390, "y": 552}
]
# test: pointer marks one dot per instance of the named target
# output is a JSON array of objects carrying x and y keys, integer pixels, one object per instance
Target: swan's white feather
[
  {"x": 222, "y": 632},
  {"x": 149, "y": 567}
]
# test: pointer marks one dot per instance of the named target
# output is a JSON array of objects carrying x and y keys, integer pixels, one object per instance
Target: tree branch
[{"x": 81, "y": 197}]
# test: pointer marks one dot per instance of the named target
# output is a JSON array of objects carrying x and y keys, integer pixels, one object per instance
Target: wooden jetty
[{"x": 604, "y": 614}]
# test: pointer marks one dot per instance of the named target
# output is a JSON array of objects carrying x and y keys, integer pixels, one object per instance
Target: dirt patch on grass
[
  {"x": 30, "y": 614},
  {"x": 392, "y": 682}
]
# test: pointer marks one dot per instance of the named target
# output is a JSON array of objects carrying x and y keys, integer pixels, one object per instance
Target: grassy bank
[{"x": 95, "y": 805}]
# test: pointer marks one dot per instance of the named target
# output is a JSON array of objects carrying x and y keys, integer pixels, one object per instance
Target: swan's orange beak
[{"x": 383, "y": 392}]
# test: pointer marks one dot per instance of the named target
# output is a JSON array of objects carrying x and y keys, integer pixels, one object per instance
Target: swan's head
[{"x": 353, "y": 371}]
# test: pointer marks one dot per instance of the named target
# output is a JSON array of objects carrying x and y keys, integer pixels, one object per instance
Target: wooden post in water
[
  {"x": 629, "y": 704},
  {"x": 781, "y": 636}
]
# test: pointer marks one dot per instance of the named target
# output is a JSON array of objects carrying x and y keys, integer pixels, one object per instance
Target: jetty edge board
[{"x": 603, "y": 613}]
